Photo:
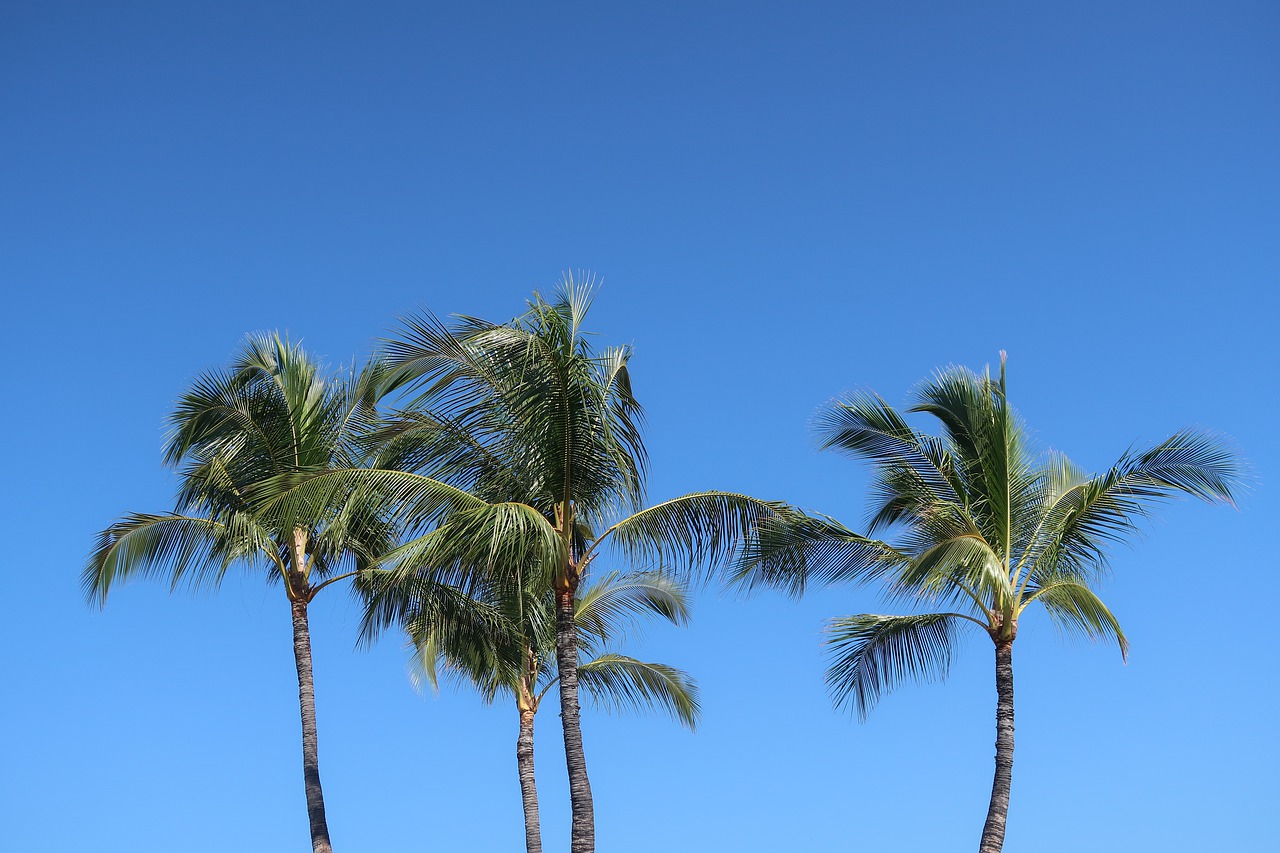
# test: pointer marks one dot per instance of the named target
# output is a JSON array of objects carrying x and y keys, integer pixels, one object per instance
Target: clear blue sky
[{"x": 785, "y": 202}]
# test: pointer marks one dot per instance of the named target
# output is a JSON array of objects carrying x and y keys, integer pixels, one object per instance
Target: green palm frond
[
  {"x": 991, "y": 449},
  {"x": 791, "y": 549},
  {"x": 871, "y": 654},
  {"x": 963, "y": 569},
  {"x": 691, "y": 533},
  {"x": 188, "y": 550},
  {"x": 429, "y": 443},
  {"x": 413, "y": 500},
  {"x": 912, "y": 469},
  {"x": 472, "y": 639},
  {"x": 1089, "y": 515},
  {"x": 491, "y": 538},
  {"x": 1076, "y": 609},
  {"x": 611, "y": 605},
  {"x": 617, "y": 682}
]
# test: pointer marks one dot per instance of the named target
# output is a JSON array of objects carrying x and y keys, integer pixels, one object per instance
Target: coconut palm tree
[
  {"x": 982, "y": 525},
  {"x": 517, "y": 660},
  {"x": 236, "y": 436},
  {"x": 544, "y": 432}
]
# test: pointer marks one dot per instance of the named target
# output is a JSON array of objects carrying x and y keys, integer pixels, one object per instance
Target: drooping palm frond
[
  {"x": 192, "y": 551},
  {"x": 413, "y": 501},
  {"x": 868, "y": 428},
  {"x": 692, "y": 533},
  {"x": 618, "y": 682},
  {"x": 611, "y": 606},
  {"x": 474, "y": 640},
  {"x": 490, "y": 539},
  {"x": 791, "y": 549},
  {"x": 963, "y": 569},
  {"x": 1075, "y": 608},
  {"x": 871, "y": 654},
  {"x": 500, "y": 638}
]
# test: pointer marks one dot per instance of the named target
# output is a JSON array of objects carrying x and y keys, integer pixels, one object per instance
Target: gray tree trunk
[
  {"x": 528, "y": 785},
  {"x": 582, "y": 836},
  {"x": 310, "y": 751},
  {"x": 998, "y": 811}
]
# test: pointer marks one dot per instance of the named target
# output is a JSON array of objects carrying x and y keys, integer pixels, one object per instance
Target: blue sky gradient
[{"x": 785, "y": 202}]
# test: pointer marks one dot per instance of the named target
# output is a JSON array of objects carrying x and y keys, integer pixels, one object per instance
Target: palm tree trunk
[
  {"x": 310, "y": 751},
  {"x": 998, "y": 811},
  {"x": 582, "y": 836},
  {"x": 528, "y": 786}
]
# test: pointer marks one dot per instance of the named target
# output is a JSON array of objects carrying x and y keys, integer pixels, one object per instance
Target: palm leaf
[
  {"x": 617, "y": 682},
  {"x": 1088, "y": 516},
  {"x": 611, "y": 605},
  {"x": 189, "y": 550},
  {"x": 964, "y": 568},
  {"x": 791, "y": 549},
  {"x": 693, "y": 533},
  {"x": 413, "y": 500},
  {"x": 871, "y": 654},
  {"x": 1076, "y": 609}
]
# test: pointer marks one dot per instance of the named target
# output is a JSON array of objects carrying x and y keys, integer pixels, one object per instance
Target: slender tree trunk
[
  {"x": 528, "y": 786},
  {"x": 998, "y": 811},
  {"x": 582, "y": 837},
  {"x": 310, "y": 751}
]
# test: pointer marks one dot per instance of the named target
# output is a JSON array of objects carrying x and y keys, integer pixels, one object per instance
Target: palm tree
[
  {"x": 543, "y": 432},
  {"x": 984, "y": 526},
  {"x": 516, "y": 660},
  {"x": 236, "y": 437}
]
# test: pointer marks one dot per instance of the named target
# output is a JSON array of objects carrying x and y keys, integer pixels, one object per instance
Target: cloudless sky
[{"x": 785, "y": 202}]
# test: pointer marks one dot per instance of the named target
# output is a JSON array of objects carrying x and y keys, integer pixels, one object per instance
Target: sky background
[{"x": 785, "y": 202}]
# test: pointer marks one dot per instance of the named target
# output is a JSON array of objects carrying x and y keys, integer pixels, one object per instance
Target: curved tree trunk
[
  {"x": 998, "y": 811},
  {"x": 582, "y": 837},
  {"x": 310, "y": 752},
  {"x": 528, "y": 786}
]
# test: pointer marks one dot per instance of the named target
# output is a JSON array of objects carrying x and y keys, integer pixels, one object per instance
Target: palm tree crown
[
  {"x": 542, "y": 432},
  {"x": 236, "y": 437},
  {"x": 239, "y": 439},
  {"x": 978, "y": 522}
]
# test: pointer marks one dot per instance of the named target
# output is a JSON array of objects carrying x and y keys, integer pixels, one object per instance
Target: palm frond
[
  {"x": 1076, "y": 609},
  {"x": 305, "y": 496},
  {"x": 868, "y": 428},
  {"x": 188, "y": 550},
  {"x": 871, "y": 654},
  {"x": 1087, "y": 516},
  {"x": 617, "y": 682},
  {"x": 964, "y": 568},
  {"x": 611, "y": 605},
  {"x": 692, "y": 534},
  {"x": 490, "y": 539},
  {"x": 993, "y": 453},
  {"x": 790, "y": 549}
]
